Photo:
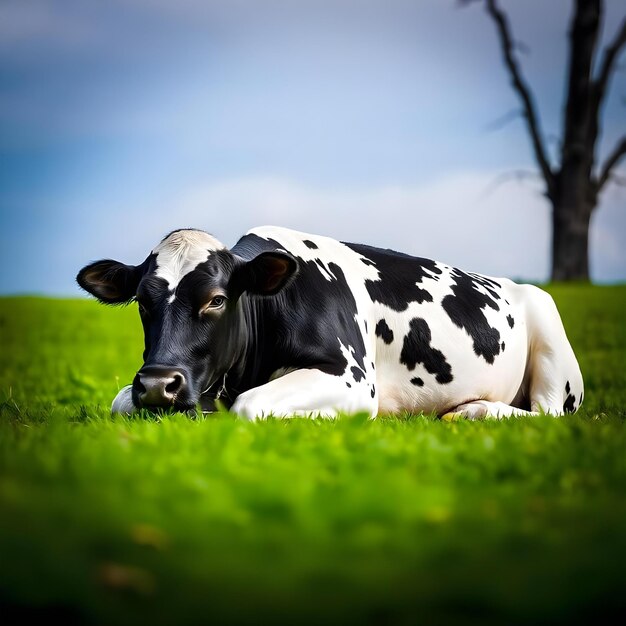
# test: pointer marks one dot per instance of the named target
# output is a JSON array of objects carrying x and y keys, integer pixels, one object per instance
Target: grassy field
[{"x": 175, "y": 520}]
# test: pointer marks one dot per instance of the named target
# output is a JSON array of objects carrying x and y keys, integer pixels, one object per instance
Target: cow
[{"x": 293, "y": 324}]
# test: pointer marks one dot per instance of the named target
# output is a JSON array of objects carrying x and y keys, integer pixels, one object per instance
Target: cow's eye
[
  {"x": 213, "y": 304},
  {"x": 142, "y": 309}
]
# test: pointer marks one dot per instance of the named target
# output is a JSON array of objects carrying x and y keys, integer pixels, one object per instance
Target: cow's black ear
[
  {"x": 111, "y": 282},
  {"x": 268, "y": 273}
]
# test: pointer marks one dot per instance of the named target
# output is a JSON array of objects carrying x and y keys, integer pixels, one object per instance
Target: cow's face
[{"x": 188, "y": 294}]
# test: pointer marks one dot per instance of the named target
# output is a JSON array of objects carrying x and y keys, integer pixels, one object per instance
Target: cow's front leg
[
  {"x": 307, "y": 392},
  {"x": 123, "y": 402}
]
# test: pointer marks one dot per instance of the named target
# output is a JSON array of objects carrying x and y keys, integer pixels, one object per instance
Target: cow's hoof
[
  {"x": 477, "y": 410},
  {"x": 451, "y": 416},
  {"x": 123, "y": 402}
]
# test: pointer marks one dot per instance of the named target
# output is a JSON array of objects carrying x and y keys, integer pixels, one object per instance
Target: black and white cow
[{"x": 287, "y": 323}]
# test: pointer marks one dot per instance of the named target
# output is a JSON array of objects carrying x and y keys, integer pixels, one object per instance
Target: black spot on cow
[
  {"x": 310, "y": 244},
  {"x": 417, "y": 349},
  {"x": 373, "y": 365},
  {"x": 465, "y": 309},
  {"x": 418, "y": 382},
  {"x": 502, "y": 346},
  {"x": 348, "y": 385},
  {"x": 581, "y": 399},
  {"x": 319, "y": 264},
  {"x": 569, "y": 406},
  {"x": 373, "y": 391},
  {"x": 384, "y": 332},
  {"x": 357, "y": 374},
  {"x": 488, "y": 284},
  {"x": 368, "y": 262},
  {"x": 399, "y": 277},
  {"x": 510, "y": 320},
  {"x": 507, "y": 301},
  {"x": 365, "y": 325}
]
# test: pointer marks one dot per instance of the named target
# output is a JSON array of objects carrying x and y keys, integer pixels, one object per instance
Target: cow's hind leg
[
  {"x": 555, "y": 383},
  {"x": 308, "y": 393},
  {"x": 479, "y": 409}
]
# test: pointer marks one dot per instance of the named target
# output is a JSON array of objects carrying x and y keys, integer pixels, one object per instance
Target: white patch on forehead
[{"x": 181, "y": 252}]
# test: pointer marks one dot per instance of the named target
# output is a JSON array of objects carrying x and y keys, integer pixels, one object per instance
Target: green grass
[{"x": 175, "y": 520}]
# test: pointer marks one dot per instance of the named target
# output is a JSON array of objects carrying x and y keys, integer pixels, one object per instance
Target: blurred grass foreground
[{"x": 174, "y": 520}]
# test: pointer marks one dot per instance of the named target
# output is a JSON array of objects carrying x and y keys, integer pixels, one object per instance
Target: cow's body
[{"x": 363, "y": 329}]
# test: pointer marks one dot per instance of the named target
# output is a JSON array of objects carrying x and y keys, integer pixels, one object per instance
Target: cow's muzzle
[{"x": 159, "y": 387}]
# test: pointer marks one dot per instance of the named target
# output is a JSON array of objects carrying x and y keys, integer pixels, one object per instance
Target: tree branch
[
  {"x": 610, "y": 55},
  {"x": 518, "y": 176},
  {"x": 612, "y": 160},
  {"x": 502, "y": 121},
  {"x": 522, "y": 89}
]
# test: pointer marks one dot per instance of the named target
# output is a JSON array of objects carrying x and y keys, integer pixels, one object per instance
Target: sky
[{"x": 386, "y": 122}]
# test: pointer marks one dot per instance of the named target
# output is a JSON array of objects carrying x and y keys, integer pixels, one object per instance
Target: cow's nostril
[
  {"x": 158, "y": 386},
  {"x": 175, "y": 385}
]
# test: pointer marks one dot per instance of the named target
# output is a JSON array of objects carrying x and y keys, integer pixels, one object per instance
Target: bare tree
[{"x": 573, "y": 185}]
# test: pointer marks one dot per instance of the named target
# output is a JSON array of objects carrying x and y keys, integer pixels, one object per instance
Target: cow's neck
[{"x": 262, "y": 352}]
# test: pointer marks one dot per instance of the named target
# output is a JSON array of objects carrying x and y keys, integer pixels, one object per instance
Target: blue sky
[{"x": 368, "y": 121}]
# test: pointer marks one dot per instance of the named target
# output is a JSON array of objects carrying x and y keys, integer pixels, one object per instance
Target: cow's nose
[{"x": 158, "y": 386}]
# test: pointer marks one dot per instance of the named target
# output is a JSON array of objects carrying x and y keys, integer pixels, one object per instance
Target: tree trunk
[
  {"x": 570, "y": 240},
  {"x": 573, "y": 185},
  {"x": 573, "y": 198}
]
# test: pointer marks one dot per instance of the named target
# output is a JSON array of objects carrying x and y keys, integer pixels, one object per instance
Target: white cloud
[{"x": 456, "y": 219}]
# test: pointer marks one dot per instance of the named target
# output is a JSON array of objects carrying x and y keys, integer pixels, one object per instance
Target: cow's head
[{"x": 188, "y": 292}]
